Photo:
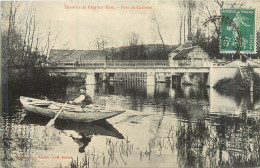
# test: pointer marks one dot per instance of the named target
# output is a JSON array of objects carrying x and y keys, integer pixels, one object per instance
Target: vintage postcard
[{"x": 130, "y": 84}]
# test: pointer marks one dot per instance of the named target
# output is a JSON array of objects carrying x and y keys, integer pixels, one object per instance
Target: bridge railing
[
  {"x": 137, "y": 63},
  {"x": 189, "y": 63},
  {"x": 132, "y": 64},
  {"x": 122, "y": 63},
  {"x": 75, "y": 64}
]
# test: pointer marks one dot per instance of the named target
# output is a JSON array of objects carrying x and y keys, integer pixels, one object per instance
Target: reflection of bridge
[{"x": 150, "y": 67}]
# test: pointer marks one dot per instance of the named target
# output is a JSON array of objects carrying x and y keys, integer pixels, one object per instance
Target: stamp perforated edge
[{"x": 243, "y": 52}]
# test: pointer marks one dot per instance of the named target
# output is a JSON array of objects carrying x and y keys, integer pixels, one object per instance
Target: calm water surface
[{"x": 163, "y": 126}]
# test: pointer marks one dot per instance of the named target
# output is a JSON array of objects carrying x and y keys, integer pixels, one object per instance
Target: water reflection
[
  {"x": 81, "y": 133},
  {"x": 83, "y": 141},
  {"x": 232, "y": 104},
  {"x": 229, "y": 144},
  {"x": 150, "y": 92},
  {"x": 164, "y": 125}
]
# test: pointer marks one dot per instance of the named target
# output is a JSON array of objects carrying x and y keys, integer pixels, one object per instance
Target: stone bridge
[{"x": 214, "y": 70}]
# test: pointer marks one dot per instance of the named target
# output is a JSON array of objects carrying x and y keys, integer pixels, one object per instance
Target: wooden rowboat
[
  {"x": 71, "y": 112},
  {"x": 101, "y": 127}
]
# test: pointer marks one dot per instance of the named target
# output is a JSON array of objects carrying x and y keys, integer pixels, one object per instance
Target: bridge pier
[
  {"x": 90, "y": 90},
  {"x": 103, "y": 76},
  {"x": 150, "y": 79},
  {"x": 90, "y": 79},
  {"x": 210, "y": 78},
  {"x": 150, "y": 90}
]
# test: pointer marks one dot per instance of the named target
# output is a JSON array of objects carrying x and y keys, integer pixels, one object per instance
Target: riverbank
[
  {"x": 238, "y": 84},
  {"x": 21, "y": 81}
]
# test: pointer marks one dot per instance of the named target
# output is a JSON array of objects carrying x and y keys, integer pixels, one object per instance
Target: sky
[
  {"x": 78, "y": 27},
  {"x": 77, "y": 23}
]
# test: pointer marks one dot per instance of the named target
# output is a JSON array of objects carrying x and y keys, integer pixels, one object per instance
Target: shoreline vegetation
[
  {"x": 22, "y": 79},
  {"x": 237, "y": 84}
]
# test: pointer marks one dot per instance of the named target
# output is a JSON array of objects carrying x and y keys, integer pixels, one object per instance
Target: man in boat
[
  {"x": 84, "y": 99},
  {"x": 83, "y": 141}
]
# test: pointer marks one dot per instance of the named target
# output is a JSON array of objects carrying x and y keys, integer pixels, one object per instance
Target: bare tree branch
[
  {"x": 155, "y": 19},
  {"x": 34, "y": 27},
  {"x": 48, "y": 41},
  {"x": 218, "y": 2},
  {"x": 101, "y": 42}
]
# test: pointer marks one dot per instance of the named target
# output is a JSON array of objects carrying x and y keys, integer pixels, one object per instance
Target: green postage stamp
[{"x": 238, "y": 31}]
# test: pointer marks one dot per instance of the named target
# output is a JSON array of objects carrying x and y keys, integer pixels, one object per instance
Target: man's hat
[{"x": 82, "y": 87}]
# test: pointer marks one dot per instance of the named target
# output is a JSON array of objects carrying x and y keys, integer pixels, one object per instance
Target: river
[{"x": 163, "y": 126}]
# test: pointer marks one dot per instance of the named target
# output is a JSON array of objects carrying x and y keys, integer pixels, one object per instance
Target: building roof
[
  {"x": 76, "y": 55},
  {"x": 182, "y": 54},
  {"x": 187, "y": 44}
]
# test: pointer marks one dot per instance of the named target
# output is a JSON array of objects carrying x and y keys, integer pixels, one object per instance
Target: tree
[
  {"x": 28, "y": 41},
  {"x": 132, "y": 41},
  {"x": 157, "y": 30},
  {"x": 50, "y": 41},
  {"x": 208, "y": 11},
  {"x": 205, "y": 12},
  {"x": 101, "y": 42},
  {"x": 181, "y": 13},
  {"x": 11, "y": 43},
  {"x": 185, "y": 18},
  {"x": 21, "y": 37},
  {"x": 191, "y": 5}
]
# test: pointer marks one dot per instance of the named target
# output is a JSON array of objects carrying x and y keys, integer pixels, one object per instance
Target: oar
[{"x": 51, "y": 122}]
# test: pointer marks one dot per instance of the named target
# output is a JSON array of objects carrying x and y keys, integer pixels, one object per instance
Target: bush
[{"x": 237, "y": 84}]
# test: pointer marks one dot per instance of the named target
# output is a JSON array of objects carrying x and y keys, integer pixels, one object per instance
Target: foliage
[
  {"x": 208, "y": 36},
  {"x": 237, "y": 84},
  {"x": 211, "y": 46},
  {"x": 139, "y": 52},
  {"x": 19, "y": 54},
  {"x": 15, "y": 54}
]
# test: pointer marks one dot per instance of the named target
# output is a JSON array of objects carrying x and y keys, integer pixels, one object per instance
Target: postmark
[
  {"x": 238, "y": 31},
  {"x": 218, "y": 20}
]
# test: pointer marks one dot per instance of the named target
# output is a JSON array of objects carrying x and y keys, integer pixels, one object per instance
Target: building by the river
[{"x": 188, "y": 55}]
